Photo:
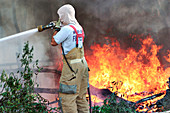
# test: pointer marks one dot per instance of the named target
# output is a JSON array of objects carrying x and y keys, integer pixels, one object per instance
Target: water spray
[
  {"x": 19, "y": 34},
  {"x": 53, "y": 25}
]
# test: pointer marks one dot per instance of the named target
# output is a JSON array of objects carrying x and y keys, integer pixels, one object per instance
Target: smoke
[{"x": 125, "y": 16}]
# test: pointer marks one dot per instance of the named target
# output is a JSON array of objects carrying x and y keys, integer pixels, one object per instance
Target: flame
[
  {"x": 128, "y": 72},
  {"x": 95, "y": 99}
]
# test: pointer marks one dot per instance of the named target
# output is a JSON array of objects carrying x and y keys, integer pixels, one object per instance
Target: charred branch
[{"x": 149, "y": 98}]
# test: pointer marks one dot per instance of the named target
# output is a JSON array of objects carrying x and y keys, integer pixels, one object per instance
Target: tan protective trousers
[{"x": 73, "y": 87}]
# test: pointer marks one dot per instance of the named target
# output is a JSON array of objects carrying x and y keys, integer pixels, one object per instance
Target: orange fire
[{"x": 128, "y": 71}]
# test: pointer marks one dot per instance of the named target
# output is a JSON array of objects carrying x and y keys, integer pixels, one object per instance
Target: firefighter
[{"x": 74, "y": 77}]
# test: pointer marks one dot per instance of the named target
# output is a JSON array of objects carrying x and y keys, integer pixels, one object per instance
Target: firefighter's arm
[{"x": 53, "y": 43}]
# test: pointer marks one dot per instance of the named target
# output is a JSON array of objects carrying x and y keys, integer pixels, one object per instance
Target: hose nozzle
[
  {"x": 53, "y": 25},
  {"x": 40, "y": 28}
]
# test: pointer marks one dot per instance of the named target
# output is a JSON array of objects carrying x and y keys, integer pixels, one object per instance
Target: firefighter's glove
[{"x": 53, "y": 23}]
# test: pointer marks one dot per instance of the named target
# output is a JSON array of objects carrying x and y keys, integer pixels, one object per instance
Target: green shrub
[
  {"x": 17, "y": 95},
  {"x": 111, "y": 105}
]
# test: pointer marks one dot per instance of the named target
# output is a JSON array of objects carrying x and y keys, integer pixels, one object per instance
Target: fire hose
[{"x": 56, "y": 26}]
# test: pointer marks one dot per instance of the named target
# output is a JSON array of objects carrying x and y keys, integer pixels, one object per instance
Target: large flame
[{"x": 128, "y": 72}]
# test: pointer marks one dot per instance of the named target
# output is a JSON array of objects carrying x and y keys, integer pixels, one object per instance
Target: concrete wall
[{"x": 112, "y": 18}]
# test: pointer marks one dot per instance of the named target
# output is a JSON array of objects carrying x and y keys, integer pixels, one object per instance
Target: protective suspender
[
  {"x": 67, "y": 61},
  {"x": 78, "y": 35}
]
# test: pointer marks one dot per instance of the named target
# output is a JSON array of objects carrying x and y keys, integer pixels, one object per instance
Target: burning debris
[
  {"x": 132, "y": 71},
  {"x": 157, "y": 102}
]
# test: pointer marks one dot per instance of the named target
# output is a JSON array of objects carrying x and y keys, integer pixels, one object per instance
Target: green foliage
[
  {"x": 17, "y": 95},
  {"x": 111, "y": 105}
]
